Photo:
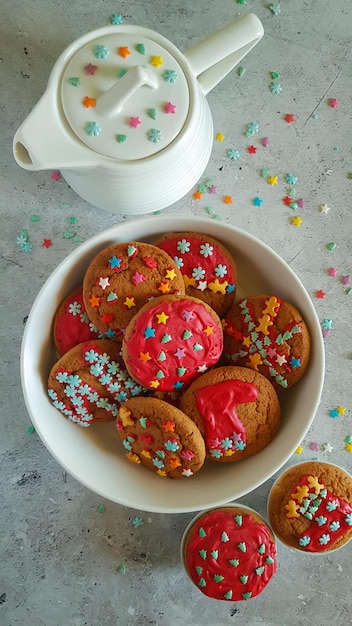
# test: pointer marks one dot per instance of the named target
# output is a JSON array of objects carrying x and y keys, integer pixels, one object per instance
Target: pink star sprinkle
[
  {"x": 333, "y": 271},
  {"x": 170, "y": 108},
  {"x": 138, "y": 278},
  {"x": 90, "y": 69},
  {"x": 180, "y": 353},
  {"x": 346, "y": 280},
  {"x": 55, "y": 176},
  {"x": 314, "y": 446},
  {"x": 187, "y": 454},
  {"x": 213, "y": 189},
  {"x": 134, "y": 122},
  {"x": 187, "y": 315},
  {"x": 265, "y": 142},
  {"x": 333, "y": 103}
]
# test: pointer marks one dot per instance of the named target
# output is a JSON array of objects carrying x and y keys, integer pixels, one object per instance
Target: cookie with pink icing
[
  {"x": 229, "y": 553},
  {"x": 72, "y": 324},
  {"x": 310, "y": 507},
  {"x": 171, "y": 341},
  {"x": 159, "y": 436},
  {"x": 207, "y": 268},
  {"x": 236, "y": 409},
  {"x": 90, "y": 382}
]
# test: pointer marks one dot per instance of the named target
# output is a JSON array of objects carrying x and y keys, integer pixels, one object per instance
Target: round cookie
[
  {"x": 90, "y": 382},
  {"x": 170, "y": 341},
  {"x": 207, "y": 267},
  {"x": 268, "y": 335},
  {"x": 71, "y": 323},
  {"x": 236, "y": 409},
  {"x": 161, "y": 437},
  {"x": 122, "y": 278},
  {"x": 310, "y": 507},
  {"x": 229, "y": 553}
]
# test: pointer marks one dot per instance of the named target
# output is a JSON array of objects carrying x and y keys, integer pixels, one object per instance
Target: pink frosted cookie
[
  {"x": 229, "y": 553},
  {"x": 122, "y": 278},
  {"x": 71, "y": 323},
  {"x": 207, "y": 268},
  {"x": 171, "y": 341},
  {"x": 89, "y": 382}
]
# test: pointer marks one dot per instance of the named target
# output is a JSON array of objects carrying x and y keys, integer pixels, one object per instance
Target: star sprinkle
[
  {"x": 251, "y": 149},
  {"x": 227, "y": 199},
  {"x": 296, "y": 221},
  {"x": 324, "y": 208},
  {"x": 219, "y": 137},
  {"x": 333, "y": 103},
  {"x": 134, "y": 122},
  {"x": 272, "y": 180},
  {"x": 197, "y": 195},
  {"x": 341, "y": 410},
  {"x": 157, "y": 61},
  {"x": 265, "y": 142},
  {"x": 90, "y": 69},
  {"x": 170, "y": 108},
  {"x": 299, "y": 450},
  {"x": 257, "y": 201},
  {"x": 55, "y": 176},
  {"x": 47, "y": 243},
  {"x": 124, "y": 51},
  {"x": 327, "y": 447},
  {"x": 88, "y": 102},
  {"x": 314, "y": 446},
  {"x": 333, "y": 271},
  {"x": 320, "y": 294},
  {"x": 289, "y": 118}
]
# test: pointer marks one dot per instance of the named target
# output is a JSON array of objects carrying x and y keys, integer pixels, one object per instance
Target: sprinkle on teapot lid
[{"x": 125, "y": 96}]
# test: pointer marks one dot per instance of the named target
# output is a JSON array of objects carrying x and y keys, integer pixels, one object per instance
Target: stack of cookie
[{"x": 155, "y": 341}]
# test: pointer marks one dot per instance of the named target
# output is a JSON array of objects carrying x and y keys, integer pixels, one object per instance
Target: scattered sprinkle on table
[
  {"x": 320, "y": 294},
  {"x": 240, "y": 71},
  {"x": 47, "y": 243},
  {"x": 121, "y": 569},
  {"x": 333, "y": 103},
  {"x": 299, "y": 450},
  {"x": 116, "y": 19},
  {"x": 257, "y": 201},
  {"x": 137, "y": 521},
  {"x": 324, "y": 208},
  {"x": 332, "y": 271},
  {"x": 101, "y": 509},
  {"x": 272, "y": 180},
  {"x": 219, "y": 137},
  {"x": 252, "y": 149},
  {"x": 227, "y": 199},
  {"x": 296, "y": 221},
  {"x": 331, "y": 246},
  {"x": 55, "y": 176},
  {"x": 327, "y": 447},
  {"x": 289, "y": 117},
  {"x": 233, "y": 154},
  {"x": 265, "y": 142}
]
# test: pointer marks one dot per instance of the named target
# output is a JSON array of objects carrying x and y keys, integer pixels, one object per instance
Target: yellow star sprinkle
[
  {"x": 170, "y": 274},
  {"x": 129, "y": 302},
  {"x": 299, "y": 450},
  {"x": 157, "y": 61},
  {"x": 217, "y": 287},
  {"x": 162, "y": 318},
  {"x": 154, "y": 384},
  {"x": 247, "y": 341},
  {"x": 348, "y": 447},
  {"x": 296, "y": 221},
  {"x": 272, "y": 180},
  {"x": 229, "y": 452},
  {"x": 341, "y": 410},
  {"x": 219, "y": 137}
]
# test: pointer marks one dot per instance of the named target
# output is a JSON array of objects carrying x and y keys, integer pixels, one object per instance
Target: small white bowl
[{"x": 94, "y": 456}]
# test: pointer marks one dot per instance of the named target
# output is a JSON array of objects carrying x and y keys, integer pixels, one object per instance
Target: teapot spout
[
  {"x": 44, "y": 140},
  {"x": 215, "y": 57}
]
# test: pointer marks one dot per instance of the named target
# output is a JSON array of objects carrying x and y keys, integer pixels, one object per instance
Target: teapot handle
[{"x": 216, "y": 56}]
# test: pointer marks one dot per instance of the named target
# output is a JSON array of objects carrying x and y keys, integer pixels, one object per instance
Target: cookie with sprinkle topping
[
  {"x": 268, "y": 335},
  {"x": 236, "y": 409},
  {"x": 159, "y": 436},
  {"x": 207, "y": 268},
  {"x": 122, "y": 278},
  {"x": 90, "y": 382},
  {"x": 171, "y": 341}
]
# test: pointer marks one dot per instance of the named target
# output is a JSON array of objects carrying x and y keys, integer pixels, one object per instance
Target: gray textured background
[{"x": 58, "y": 555}]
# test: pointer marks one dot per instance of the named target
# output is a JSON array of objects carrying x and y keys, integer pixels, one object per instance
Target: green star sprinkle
[{"x": 35, "y": 218}]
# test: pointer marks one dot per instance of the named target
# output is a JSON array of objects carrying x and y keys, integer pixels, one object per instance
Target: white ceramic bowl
[{"x": 94, "y": 456}]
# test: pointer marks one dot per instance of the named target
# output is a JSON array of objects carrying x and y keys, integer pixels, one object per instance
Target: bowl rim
[{"x": 151, "y": 225}]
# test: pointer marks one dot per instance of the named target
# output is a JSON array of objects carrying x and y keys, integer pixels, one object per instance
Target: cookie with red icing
[
  {"x": 310, "y": 507},
  {"x": 207, "y": 268},
  {"x": 90, "y": 382},
  {"x": 229, "y": 553},
  {"x": 171, "y": 341},
  {"x": 122, "y": 278},
  {"x": 72, "y": 324},
  {"x": 268, "y": 335},
  {"x": 236, "y": 409},
  {"x": 159, "y": 436}
]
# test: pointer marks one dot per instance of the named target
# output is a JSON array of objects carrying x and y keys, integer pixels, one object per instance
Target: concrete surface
[{"x": 60, "y": 559}]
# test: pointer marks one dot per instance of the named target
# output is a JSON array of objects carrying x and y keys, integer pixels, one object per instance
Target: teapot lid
[{"x": 125, "y": 95}]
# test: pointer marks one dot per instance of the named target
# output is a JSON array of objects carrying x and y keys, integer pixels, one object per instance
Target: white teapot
[{"x": 125, "y": 118}]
